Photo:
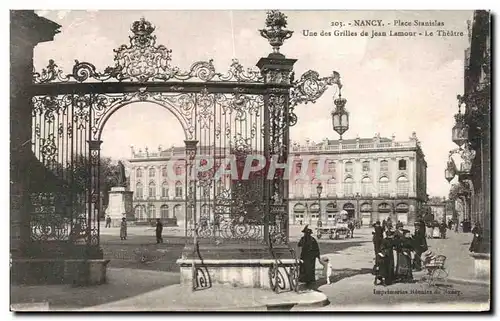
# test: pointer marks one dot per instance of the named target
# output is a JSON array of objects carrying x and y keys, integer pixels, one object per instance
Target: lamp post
[
  {"x": 319, "y": 189},
  {"x": 357, "y": 205},
  {"x": 340, "y": 116}
]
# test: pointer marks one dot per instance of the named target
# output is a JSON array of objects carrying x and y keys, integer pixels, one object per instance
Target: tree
[{"x": 78, "y": 174}]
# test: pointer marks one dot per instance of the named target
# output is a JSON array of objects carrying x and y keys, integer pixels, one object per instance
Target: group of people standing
[{"x": 390, "y": 268}]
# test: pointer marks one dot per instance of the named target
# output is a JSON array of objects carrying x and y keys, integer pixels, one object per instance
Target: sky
[{"x": 393, "y": 85}]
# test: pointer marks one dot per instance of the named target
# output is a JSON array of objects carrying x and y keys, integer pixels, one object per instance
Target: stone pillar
[
  {"x": 26, "y": 30},
  {"x": 120, "y": 205}
]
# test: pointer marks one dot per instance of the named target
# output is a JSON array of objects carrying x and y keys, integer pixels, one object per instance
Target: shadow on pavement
[{"x": 340, "y": 274}]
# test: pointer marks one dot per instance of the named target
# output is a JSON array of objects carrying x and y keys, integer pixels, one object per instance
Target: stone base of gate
[
  {"x": 236, "y": 273},
  {"x": 482, "y": 264},
  {"x": 53, "y": 271},
  {"x": 235, "y": 265}
]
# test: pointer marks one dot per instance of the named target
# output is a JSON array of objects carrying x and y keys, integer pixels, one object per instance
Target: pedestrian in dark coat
[
  {"x": 159, "y": 230},
  {"x": 108, "y": 221},
  {"x": 378, "y": 236},
  {"x": 308, "y": 256},
  {"x": 384, "y": 225},
  {"x": 477, "y": 231},
  {"x": 419, "y": 245},
  {"x": 385, "y": 261},
  {"x": 123, "y": 229}
]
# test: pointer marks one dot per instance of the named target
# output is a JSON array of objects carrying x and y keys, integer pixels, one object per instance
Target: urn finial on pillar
[{"x": 275, "y": 31}]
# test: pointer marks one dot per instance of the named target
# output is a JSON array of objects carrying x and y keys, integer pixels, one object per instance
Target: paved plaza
[{"x": 134, "y": 285}]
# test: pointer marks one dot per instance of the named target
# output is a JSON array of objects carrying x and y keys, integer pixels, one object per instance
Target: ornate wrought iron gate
[{"x": 226, "y": 118}]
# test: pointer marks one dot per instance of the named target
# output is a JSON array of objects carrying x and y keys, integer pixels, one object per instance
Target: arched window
[
  {"x": 349, "y": 168},
  {"x": 164, "y": 190},
  {"x": 139, "y": 212},
  {"x": 152, "y": 190},
  {"x": 152, "y": 172},
  {"x": 402, "y": 165},
  {"x": 299, "y": 187},
  {"x": 151, "y": 211},
  {"x": 331, "y": 187},
  {"x": 138, "y": 191},
  {"x": 366, "y": 186},
  {"x": 177, "y": 211},
  {"x": 164, "y": 211},
  {"x": 348, "y": 186},
  {"x": 178, "y": 170},
  {"x": 178, "y": 189},
  {"x": 402, "y": 185},
  {"x": 383, "y": 185},
  {"x": 138, "y": 173},
  {"x": 384, "y": 166},
  {"x": 164, "y": 172}
]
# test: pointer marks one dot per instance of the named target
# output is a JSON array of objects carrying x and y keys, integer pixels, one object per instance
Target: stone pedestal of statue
[{"x": 120, "y": 205}]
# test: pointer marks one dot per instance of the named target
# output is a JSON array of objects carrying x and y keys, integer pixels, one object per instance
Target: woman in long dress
[
  {"x": 475, "y": 246},
  {"x": 123, "y": 229},
  {"x": 404, "y": 266},
  {"x": 385, "y": 261},
  {"x": 308, "y": 256}
]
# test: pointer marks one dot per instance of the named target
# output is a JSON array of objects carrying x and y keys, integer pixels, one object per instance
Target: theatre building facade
[{"x": 370, "y": 178}]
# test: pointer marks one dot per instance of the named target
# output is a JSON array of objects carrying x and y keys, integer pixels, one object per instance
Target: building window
[
  {"x": 152, "y": 190},
  {"x": 164, "y": 172},
  {"x": 152, "y": 172},
  {"x": 164, "y": 190},
  {"x": 384, "y": 166},
  {"x": 314, "y": 168},
  {"x": 366, "y": 186},
  {"x": 349, "y": 167},
  {"x": 331, "y": 168},
  {"x": 164, "y": 211},
  {"x": 177, "y": 211},
  {"x": 366, "y": 166},
  {"x": 299, "y": 187},
  {"x": 402, "y": 185},
  {"x": 331, "y": 187},
  {"x": 151, "y": 211},
  {"x": 383, "y": 185},
  {"x": 178, "y": 170},
  {"x": 402, "y": 165},
  {"x": 205, "y": 212},
  {"x": 139, "y": 212},
  {"x": 298, "y": 168},
  {"x": 138, "y": 173},
  {"x": 178, "y": 189},
  {"x": 138, "y": 191},
  {"x": 349, "y": 187}
]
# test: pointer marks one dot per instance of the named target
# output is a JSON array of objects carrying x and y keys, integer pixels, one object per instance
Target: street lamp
[
  {"x": 319, "y": 189},
  {"x": 340, "y": 116},
  {"x": 357, "y": 205}
]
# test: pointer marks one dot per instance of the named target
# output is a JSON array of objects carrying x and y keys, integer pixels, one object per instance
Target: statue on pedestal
[{"x": 121, "y": 179}]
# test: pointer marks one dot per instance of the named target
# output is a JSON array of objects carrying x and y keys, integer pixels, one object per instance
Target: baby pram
[{"x": 434, "y": 267}]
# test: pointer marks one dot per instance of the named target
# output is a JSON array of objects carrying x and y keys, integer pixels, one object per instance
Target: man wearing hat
[
  {"x": 419, "y": 245},
  {"x": 308, "y": 256}
]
